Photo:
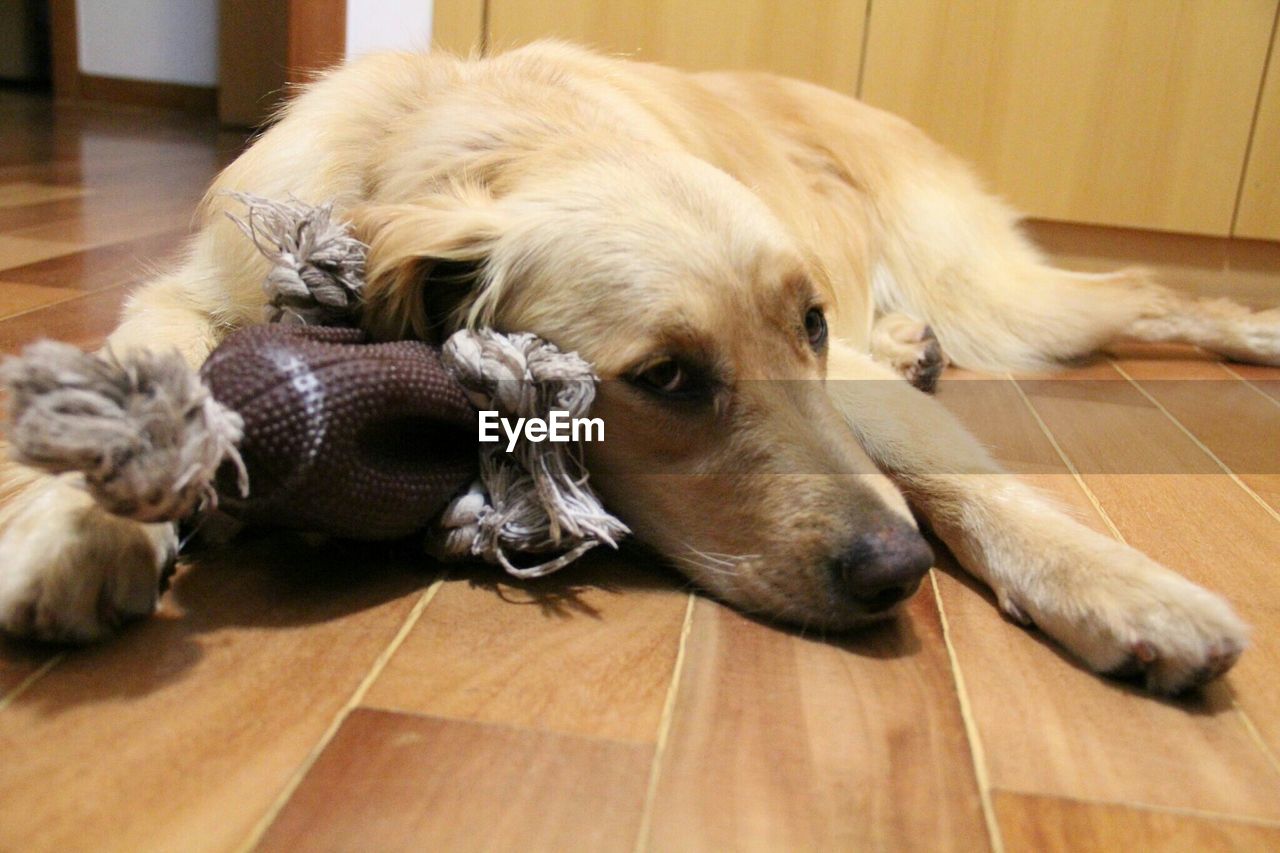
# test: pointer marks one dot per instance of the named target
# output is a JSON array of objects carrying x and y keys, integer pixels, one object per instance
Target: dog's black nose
[{"x": 883, "y": 567}]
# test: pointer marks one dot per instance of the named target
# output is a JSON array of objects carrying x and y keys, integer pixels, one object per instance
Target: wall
[
  {"x": 387, "y": 25},
  {"x": 158, "y": 40}
]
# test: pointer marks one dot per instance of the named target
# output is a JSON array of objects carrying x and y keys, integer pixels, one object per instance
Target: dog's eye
[
  {"x": 815, "y": 326},
  {"x": 668, "y": 378}
]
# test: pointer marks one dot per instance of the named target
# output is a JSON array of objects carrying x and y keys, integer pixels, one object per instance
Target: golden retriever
[{"x": 716, "y": 245}]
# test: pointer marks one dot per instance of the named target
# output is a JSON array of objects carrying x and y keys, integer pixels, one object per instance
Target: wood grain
[
  {"x": 782, "y": 742},
  {"x": 252, "y": 40},
  {"x": 180, "y": 733},
  {"x": 1114, "y": 435},
  {"x": 1047, "y": 725},
  {"x": 23, "y": 193},
  {"x": 823, "y": 44},
  {"x": 1046, "y": 825},
  {"x": 83, "y": 320},
  {"x": 1259, "y": 212},
  {"x": 17, "y": 251},
  {"x": 186, "y": 731},
  {"x": 16, "y": 298},
  {"x": 1199, "y": 395},
  {"x": 202, "y": 100},
  {"x": 422, "y": 783},
  {"x": 14, "y": 218},
  {"x": 1247, "y": 271},
  {"x": 317, "y": 36},
  {"x": 65, "y": 48},
  {"x": 1142, "y": 468},
  {"x": 1242, "y": 429},
  {"x": 546, "y": 655},
  {"x": 1265, "y": 379},
  {"x": 1030, "y": 93},
  {"x": 126, "y": 262},
  {"x": 458, "y": 26},
  {"x": 115, "y": 221}
]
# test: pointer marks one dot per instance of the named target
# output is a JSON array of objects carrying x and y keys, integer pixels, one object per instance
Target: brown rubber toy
[{"x": 358, "y": 439}]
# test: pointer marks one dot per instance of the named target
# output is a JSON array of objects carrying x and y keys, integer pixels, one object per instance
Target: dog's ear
[{"x": 426, "y": 261}]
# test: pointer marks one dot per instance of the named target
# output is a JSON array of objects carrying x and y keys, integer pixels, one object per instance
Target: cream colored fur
[{"x": 635, "y": 214}]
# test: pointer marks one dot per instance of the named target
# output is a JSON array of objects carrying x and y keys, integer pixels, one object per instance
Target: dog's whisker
[{"x": 699, "y": 565}]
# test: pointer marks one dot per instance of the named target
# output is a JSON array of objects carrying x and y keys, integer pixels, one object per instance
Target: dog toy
[{"x": 309, "y": 425}]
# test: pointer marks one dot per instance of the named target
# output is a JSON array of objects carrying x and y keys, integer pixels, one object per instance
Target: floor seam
[
  {"x": 61, "y": 303},
  {"x": 502, "y": 724},
  {"x": 664, "y": 731},
  {"x": 976, "y": 752},
  {"x": 1249, "y": 727},
  {"x": 379, "y": 664},
  {"x": 1250, "y": 383},
  {"x": 69, "y": 295},
  {"x": 25, "y": 684},
  {"x": 1066, "y": 460},
  {"x": 1235, "y": 478}
]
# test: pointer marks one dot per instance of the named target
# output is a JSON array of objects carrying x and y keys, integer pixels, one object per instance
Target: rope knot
[{"x": 539, "y": 499}]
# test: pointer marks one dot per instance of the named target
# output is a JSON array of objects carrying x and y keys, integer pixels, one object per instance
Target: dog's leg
[
  {"x": 953, "y": 257},
  {"x": 1218, "y": 325},
  {"x": 1082, "y": 312},
  {"x": 1117, "y": 610},
  {"x": 68, "y": 570}
]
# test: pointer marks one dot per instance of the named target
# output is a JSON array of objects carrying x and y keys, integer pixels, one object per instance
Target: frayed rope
[
  {"x": 317, "y": 266},
  {"x": 535, "y": 499},
  {"x": 143, "y": 430},
  {"x": 149, "y": 438}
]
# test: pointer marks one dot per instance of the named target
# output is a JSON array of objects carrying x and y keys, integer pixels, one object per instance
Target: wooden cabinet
[
  {"x": 1119, "y": 112},
  {"x": 458, "y": 25},
  {"x": 819, "y": 40},
  {"x": 1259, "y": 214},
  {"x": 1133, "y": 113}
]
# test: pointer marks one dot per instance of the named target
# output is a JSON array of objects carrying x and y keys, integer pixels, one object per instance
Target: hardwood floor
[{"x": 293, "y": 696}]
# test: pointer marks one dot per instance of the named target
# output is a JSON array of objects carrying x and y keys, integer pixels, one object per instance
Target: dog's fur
[{"x": 640, "y": 215}]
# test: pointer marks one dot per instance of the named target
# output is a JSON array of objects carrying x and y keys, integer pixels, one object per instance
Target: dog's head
[{"x": 722, "y": 448}]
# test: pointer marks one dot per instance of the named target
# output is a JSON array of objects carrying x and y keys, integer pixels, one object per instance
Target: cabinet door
[
  {"x": 820, "y": 40},
  {"x": 1118, "y": 112},
  {"x": 458, "y": 26},
  {"x": 1259, "y": 214}
]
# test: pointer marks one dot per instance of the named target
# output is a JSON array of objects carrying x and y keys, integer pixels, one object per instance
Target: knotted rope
[
  {"x": 144, "y": 431},
  {"x": 149, "y": 437},
  {"x": 317, "y": 266},
  {"x": 536, "y": 499}
]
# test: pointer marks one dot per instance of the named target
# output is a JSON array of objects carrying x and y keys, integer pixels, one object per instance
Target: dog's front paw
[
  {"x": 1130, "y": 617},
  {"x": 72, "y": 573},
  {"x": 912, "y": 349}
]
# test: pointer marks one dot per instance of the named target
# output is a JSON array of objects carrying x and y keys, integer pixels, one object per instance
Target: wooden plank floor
[{"x": 289, "y": 697}]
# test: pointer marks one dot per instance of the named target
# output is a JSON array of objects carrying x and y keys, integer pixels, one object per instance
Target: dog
[{"x": 759, "y": 269}]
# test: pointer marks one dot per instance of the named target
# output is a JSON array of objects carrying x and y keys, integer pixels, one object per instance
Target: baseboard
[
  {"x": 202, "y": 100},
  {"x": 1245, "y": 270}
]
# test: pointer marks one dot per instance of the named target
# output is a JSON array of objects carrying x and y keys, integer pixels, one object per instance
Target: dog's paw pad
[
  {"x": 1166, "y": 673},
  {"x": 929, "y": 363},
  {"x": 72, "y": 574},
  {"x": 910, "y": 347}
]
